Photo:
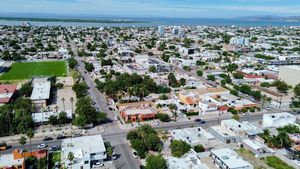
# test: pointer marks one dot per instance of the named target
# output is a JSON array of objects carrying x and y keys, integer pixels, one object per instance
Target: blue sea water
[{"x": 150, "y": 22}]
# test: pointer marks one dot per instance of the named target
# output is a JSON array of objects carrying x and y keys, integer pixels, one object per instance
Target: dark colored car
[
  {"x": 47, "y": 139},
  {"x": 60, "y": 137},
  {"x": 197, "y": 120}
]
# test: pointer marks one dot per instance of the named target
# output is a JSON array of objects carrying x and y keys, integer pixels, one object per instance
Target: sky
[{"x": 155, "y": 8}]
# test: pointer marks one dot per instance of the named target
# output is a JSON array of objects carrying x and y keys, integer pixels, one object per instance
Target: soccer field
[{"x": 26, "y": 70}]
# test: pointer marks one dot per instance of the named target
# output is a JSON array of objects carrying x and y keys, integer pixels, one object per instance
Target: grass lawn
[
  {"x": 256, "y": 162},
  {"x": 277, "y": 163},
  {"x": 54, "y": 157},
  {"x": 27, "y": 70}
]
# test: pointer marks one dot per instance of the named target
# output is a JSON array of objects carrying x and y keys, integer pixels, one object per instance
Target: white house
[
  {"x": 87, "y": 151},
  {"x": 229, "y": 159},
  {"x": 278, "y": 120}
]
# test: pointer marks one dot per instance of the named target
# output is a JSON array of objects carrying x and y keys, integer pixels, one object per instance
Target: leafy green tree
[
  {"x": 89, "y": 67},
  {"x": 211, "y": 77},
  {"x": 26, "y": 89},
  {"x": 281, "y": 86},
  {"x": 53, "y": 120},
  {"x": 238, "y": 75},
  {"x": 297, "y": 90},
  {"x": 22, "y": 140},
  {"x": 172, "y": 80},
  {"x": 182, "y": 81},
  {"x": 152, "y": 69},
  {"x": 199, "y": 148},
  {"x": 42, "y": 163},
  {"x": 199, "y": 72},
  {"x": 80, "y": 89},
  {"x": 156, "y": 162},
  {"x": 163, "y": 117},
  {"x": 179, "y": 148},
  {"x": 72, "y": 63},
  {"x": 153, "y": 142},
  {"x": 231, "y": 67}
]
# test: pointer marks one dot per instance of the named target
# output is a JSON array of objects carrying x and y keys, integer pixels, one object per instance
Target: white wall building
[
  {"x": 87, "y": 150},
  {"x": 229, "y": 159},
  {"x": 278, "y": 120},
  {"x": 189, "y": 160}
]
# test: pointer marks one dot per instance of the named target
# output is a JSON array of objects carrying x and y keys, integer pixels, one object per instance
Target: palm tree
[
  {"x": 63, "y": 100},
  {"x": 173, "y": 108},
  {"x": 71, "y": 158},
  {"x": 56, "y": 108},
  {"x": 72, "y": 102},
  {"x": 22, "y": 141},
  {"x": 30, "y": 135}
]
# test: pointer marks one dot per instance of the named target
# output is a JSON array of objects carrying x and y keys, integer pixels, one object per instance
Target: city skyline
[{"x": 165, "y": 8}]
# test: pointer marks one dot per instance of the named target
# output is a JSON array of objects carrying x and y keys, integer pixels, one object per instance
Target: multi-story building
[{"x": 87, "y": 151}]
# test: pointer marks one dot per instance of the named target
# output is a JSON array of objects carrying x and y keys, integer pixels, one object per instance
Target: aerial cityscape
[{"x": 170, "y": 84}]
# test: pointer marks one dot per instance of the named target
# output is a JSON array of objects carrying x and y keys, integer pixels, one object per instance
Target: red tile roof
[{"x": 7, "y": 89}]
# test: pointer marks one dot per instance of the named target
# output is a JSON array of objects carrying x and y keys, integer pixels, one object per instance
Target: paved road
[{"x": 126, "y": 160}]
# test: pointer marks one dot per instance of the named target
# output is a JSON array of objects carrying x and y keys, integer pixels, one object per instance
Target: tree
[
  {"x": 42, "y": 163},
  {"x": 211, "y": 77},
  {"x": 238, "y": 75},
  {"x": 281, "y": 86},
  {"x": 52, "y": 120},
  {"x": 199, "y": 72},
  {"x": 182, "y": 81},
  {"x": 173, "y": 108},
  {"x": 172, "y": 80},
  {"x": 22, "y": 140},
  {"x": 30, "y": 135},
  {"x": 72, "y": 63},
  {"x": 232, "y": 67},
  {"x": 26, "y": 89},
  {"x": 163, "y": 117},
  {"x": 156, "y": 162},
  {"x": 71, "y": 157},
  {"x": 89, "y": 66},
  {"x": 153, "y": 142},
  {"x": 152, "y": 69},
  {"x": 297, "y": 90},
  {"x": 199, "y": 148},
  {"x": 63, "y": 101},
  {"x": 236, "y": 117},
  {"x": 179, "y": 148}
]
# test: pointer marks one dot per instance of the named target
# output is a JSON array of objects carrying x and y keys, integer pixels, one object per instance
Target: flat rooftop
[
  {"x": 7, "y": 160},
  {"x": 230, "y": 158},
  {"x": 41, "y": 91}
]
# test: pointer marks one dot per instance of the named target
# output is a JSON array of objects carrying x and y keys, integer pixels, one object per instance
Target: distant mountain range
[{"x": 271, "y": 18}]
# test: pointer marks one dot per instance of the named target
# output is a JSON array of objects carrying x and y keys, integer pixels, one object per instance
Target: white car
[
  {"x": 135, "y": 155},
  {"x": 41, "y": 146},
  {"x": 98, "y": 164}
]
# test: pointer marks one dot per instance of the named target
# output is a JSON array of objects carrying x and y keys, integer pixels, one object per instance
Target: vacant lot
[
  {"x": 26, "y": 70},
  {"x": 277, "y": 163}
]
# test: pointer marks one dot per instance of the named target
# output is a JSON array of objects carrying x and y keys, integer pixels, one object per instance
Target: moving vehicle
[{"x": 41, "y": 146}]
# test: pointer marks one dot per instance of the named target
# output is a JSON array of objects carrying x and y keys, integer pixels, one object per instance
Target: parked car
[
  {"x": 47, "y": 138},
  {"x": 98, "y": 164},
  {"x": 197, "y": 120},
  {"x": 42, "y": 146},
  {"x": 54, "y": 148},
  {"x": 135, "y": 155},
  {"x": 60, "y": 136},
  {"x": 114, "y": 156}
]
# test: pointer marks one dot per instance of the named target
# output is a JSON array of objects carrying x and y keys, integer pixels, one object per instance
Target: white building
[
  {"x": 229, "y": 159},
  {"x": 244, "y": 129},
  {"x": 189, "y": 160},
  {"x": 87, "y": 150},
  {"x": 278, "y": 120},
  {"x": 259, "y": 149},
  {"x": 40, "y": 93},
  {"x": 239, "y": 41},
  {"x": 192, "y": 136},
  {"x": 42, "y": 117},
  {"x": 224, "y": 134}
]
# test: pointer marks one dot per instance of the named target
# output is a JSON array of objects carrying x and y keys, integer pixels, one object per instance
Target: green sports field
[{"x": 26, "y": 70}]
